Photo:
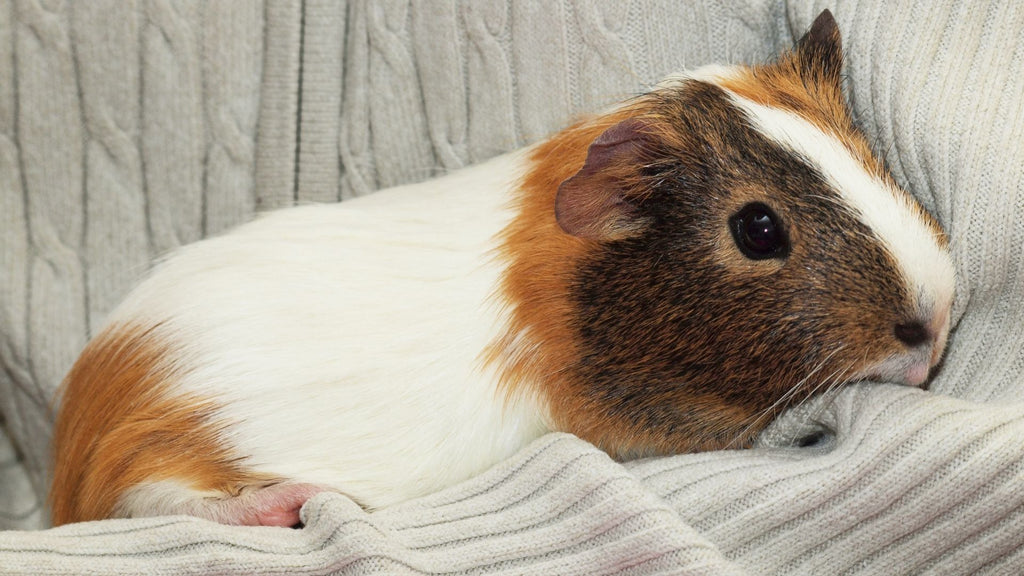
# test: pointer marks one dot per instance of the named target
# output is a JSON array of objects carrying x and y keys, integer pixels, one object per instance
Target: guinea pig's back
[{"x": 276, "y": 339}]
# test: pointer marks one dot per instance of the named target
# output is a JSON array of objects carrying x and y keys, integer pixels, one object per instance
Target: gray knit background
[{"x": 128, "y": 128}]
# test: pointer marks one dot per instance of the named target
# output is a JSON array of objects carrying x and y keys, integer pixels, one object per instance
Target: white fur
[
  {"x": 160, "y": 498},
  {"x": 889, "y": 212},
  {"x": 344, "y": 340}
]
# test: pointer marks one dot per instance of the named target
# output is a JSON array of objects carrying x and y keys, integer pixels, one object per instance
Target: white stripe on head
[{"x": 890, "y": 213}]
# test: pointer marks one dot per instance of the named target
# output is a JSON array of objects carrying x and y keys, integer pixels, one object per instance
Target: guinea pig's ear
[
  {"x": 819, "y": 52},
  {"x": 594, "y": 203}
]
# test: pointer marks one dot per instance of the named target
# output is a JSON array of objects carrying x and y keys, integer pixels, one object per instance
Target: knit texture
[{"x": 128, "y": 128}]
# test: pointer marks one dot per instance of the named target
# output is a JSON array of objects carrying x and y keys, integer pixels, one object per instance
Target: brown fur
[
  {"x": 657, "y": 336},
  {"x": 118, "y": 428},
  {"x": 539, "y": 350}
]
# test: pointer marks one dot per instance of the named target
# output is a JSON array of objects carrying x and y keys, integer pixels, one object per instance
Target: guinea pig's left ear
[
  {"x": 595, "y": 203},
  {"x": 819, "y": 52}
]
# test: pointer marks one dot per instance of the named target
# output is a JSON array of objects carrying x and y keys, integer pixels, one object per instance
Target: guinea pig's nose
[{"x": 913, "y": 334}]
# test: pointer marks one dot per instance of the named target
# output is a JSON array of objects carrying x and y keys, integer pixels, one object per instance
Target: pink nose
[
  {"x": 930, "y": 331},
  {"x": 926, "y": 341}
]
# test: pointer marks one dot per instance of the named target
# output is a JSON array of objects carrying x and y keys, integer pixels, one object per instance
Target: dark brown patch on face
[{"x": 682, "y": 340}]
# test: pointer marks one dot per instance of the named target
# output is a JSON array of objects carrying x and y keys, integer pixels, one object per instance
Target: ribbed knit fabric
[{"x": 130, "y": 128}]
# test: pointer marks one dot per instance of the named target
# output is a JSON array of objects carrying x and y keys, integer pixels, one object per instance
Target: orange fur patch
[
  {"x": 118, "y": 427},
  {"x": 538, "y": 345}
]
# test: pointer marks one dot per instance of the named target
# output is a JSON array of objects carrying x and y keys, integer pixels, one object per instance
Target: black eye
[{"x": 758, "y": 233}]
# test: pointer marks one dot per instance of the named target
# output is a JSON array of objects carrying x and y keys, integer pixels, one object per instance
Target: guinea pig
[{"x": 659, "y": 278}]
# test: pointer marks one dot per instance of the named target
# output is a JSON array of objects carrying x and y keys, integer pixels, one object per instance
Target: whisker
[
  {"x": 834, "y": 390},
  {"x": 782, "y": 401},
  {"x": 833, "y": 384}
]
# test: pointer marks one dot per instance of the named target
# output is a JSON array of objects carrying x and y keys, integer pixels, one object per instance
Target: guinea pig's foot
[{"x": 273, "y": 505}]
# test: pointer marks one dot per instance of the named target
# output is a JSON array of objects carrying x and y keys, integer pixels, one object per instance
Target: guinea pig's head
[{"x": 737, "y": 248}]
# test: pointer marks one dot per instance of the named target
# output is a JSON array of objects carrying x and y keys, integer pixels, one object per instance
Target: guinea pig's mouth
[
  {"x": 913, "y": 365},
  {"x": 911, "y": 369}
]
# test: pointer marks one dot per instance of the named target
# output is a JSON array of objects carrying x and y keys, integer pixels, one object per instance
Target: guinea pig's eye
[{"x": 758, "y": 232}]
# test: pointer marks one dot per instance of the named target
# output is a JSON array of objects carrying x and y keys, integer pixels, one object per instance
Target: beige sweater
[{"x": 129, "y": 128}]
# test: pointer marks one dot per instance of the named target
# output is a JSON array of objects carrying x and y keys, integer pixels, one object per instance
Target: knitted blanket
[{"x": 128, "y": 128}]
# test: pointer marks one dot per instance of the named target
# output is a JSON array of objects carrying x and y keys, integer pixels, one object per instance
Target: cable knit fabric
[{"x": 129, "y": 128}]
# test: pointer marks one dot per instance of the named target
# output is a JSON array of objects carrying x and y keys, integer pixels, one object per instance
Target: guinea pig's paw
[{"x": 273, "y": 505}]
